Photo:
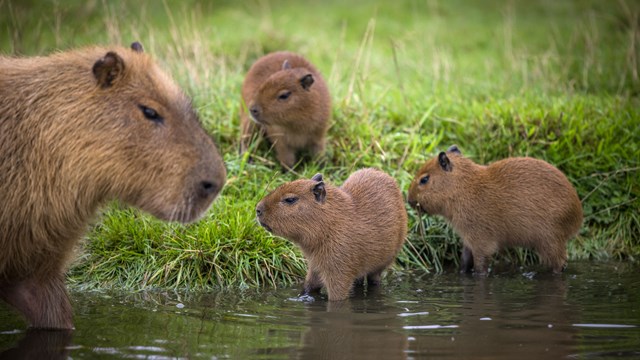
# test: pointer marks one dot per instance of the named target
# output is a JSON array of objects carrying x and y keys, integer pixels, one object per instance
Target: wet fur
[
  {"x": 355, "y": 232},
  {"x": 299, "y": 123},
  {"x": 72, "y": 137},
  {"x": 513, "y": 202}
]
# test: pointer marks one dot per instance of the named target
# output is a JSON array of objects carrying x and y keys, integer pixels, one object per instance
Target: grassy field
[{"x": 557, "y": 80}]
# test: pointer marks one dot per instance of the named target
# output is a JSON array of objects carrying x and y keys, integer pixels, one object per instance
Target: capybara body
[
  {"x": 78, "y": 129},
  {"x": 517, "y": 201},
  {"x": 346, "y": 233},
  {"x": 288, "y": 103}
]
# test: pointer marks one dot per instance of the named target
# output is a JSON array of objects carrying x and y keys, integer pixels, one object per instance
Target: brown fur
[
  {"x": 513, "y": 202},
  {"x": 294, "y": 124},
  {"x": 345, "y": 233},
  {"x": 73, "y": 136}
]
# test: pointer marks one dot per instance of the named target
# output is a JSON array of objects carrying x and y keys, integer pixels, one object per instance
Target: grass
[{"x": 557, "y": 80}]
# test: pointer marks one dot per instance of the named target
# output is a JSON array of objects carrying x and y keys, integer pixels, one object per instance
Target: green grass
[{"x": 557, "y": 80}]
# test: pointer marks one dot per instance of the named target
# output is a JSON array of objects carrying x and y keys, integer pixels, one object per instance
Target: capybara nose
[
  {"x": 207, "y": 188},
  {"x": 259, "y": 210},
  {"x": 414, "y": 204},
  {"x": 255, "y": 111}
]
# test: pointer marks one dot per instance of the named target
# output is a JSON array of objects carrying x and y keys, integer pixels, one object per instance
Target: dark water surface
[{"x": 590, "y": 312}]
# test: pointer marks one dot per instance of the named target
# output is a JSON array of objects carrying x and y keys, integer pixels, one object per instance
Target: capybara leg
[
  {"x": 359, "y": 282},
  {"x": 43, "y": 302},
  {"x": 555, "y": 257},
  {"x": 480, "y": 264},
  {"x": 373, "y": 278},
  {"x": 41, "y": 344},
  {"x": 559, "y": 269},
  {"x": 466, "y": 260},
  {"x": 339, "y": 290},
  {"x": 561, "y": 264},
  {"x": 247, "y": 132},
  {"x": 312, "y": 283},
  {"x": 316, "y": 149},
  {"x": 285, "y": 155}
]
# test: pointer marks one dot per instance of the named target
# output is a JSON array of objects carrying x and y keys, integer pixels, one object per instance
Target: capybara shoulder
[
  {"x": 346, "y": 233},
  {"x": 78, "y": 129},
  {"x": 518, "y": 201},
  {"x": 288, "y": 101}
]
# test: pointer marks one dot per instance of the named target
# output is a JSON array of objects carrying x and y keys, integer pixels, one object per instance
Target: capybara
[
  {"x": 345, "y": 233},
  {"x": 517, "y": 201},
  {"x": 79, "y": 129},
  {"x": 289, "y": 104}
]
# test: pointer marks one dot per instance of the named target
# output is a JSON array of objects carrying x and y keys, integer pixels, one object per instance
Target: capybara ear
[
  {"x": 108, "y": 69},
  {"x": 137, "y": 47},
  {"x": 306, "y": 81},
  {"x": 317, "y": 177},
  {"x": 286, "y": 65},
  {"x": 445, "y": 164},
  {"x": 319, "y": 192},
  {"x": 454, "y": 149}
]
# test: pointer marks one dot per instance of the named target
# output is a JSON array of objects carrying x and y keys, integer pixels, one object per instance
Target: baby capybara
[
  {"x": 345, "y": 233},
  {"x": 517, "y": 201},
  {"x": 78, "y": 129},
  {"x": 289, "y": 103}
]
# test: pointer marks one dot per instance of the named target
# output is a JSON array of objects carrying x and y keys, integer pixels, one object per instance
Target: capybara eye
[
  {"x": 290, "y": 200},
  {"x": 284, "y": 96},
  {"x": 151, "y": 114},
  {"x": 424, "y": 180}
]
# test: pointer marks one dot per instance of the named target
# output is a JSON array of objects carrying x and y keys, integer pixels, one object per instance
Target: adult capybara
[
  {"x": 345, "y": 233},
  {"x": 289, "y": 104},
  {"x": 78, "y": 129},
  {"x": 517, "y": 201}
]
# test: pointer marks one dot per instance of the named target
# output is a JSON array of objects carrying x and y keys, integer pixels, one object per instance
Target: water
[{"x": 592, "y": 311}]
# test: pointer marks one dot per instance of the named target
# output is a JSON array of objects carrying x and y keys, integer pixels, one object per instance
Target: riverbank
[{"x": 557, "y": 81}]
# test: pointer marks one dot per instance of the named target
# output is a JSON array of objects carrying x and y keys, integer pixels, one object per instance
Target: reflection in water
[
  {"x": 497, "y": 321},
  {"x": 590, "y": 311},
  {"x": 41, "y": 344},
  {"x": 352, "y": 329}
]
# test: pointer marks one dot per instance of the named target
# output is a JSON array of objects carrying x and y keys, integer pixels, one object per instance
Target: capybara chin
[
  {"x": 289, "y": 103},
  {"x": 78, "y": 129},
  {"x": 517, "y": 201},
  {"x": 346, "y": 233}
]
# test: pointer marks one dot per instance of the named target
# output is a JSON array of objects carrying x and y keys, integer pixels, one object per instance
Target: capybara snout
[
  {"x": 255, "y": 113},
  {"x": 413, "y": 203},
  {"x": 207, "y": 178}
]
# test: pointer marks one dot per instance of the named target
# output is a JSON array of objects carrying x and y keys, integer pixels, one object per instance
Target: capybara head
[
  {"x": 144, "y": 143},
  {"x": 435, "y": 184},
  {"x": 284, "y": 93},
  {"x": 293, "y": 209}
]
